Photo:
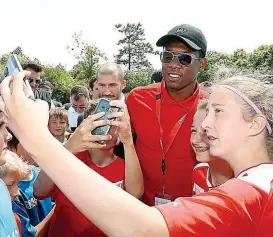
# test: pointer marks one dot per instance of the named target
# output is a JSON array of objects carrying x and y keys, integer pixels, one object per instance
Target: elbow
[{"x": 140, "y": 192}]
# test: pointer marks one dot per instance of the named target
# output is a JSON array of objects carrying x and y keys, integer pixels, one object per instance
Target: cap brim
[
  {"x": 46, "y": 86},
  {"x": 169, "y": 38}
]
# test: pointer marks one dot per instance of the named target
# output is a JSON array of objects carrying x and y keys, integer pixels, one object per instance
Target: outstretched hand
[{"x": 82, "y": 139}]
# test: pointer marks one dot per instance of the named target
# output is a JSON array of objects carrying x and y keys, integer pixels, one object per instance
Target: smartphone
[
  {"x": 104, "y": 106},
  {"x": 13, "y": 67}
]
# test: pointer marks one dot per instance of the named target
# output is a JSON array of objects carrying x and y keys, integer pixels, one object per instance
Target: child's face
[
  {"x": 5, "y": 136},
  {"x": 197, "y": 139},
  {"x": 57, "y": 126},
  {"x": 11, "y": 180}
]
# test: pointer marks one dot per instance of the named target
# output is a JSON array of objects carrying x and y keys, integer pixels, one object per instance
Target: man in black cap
[
  {"x": 45, "y": 93},
  {"x": 162, "y": 114}
]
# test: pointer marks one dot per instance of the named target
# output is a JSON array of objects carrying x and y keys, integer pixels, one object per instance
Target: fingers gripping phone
[
  {"x": 13, "y": 67},
  {"x": 104, "y": 106}
]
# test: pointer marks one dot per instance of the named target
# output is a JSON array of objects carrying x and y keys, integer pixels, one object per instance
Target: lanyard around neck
[{"x": 175, "y": 128}]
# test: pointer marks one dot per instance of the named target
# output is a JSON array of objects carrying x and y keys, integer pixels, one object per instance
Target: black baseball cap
[
  {"x": 46, "y": 84},
  {"x": 191, "y": 36}
]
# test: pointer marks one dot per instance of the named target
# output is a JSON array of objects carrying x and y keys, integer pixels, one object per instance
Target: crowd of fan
[{"x": 171, "y": 139}]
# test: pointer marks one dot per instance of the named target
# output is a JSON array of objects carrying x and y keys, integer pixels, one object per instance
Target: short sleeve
[{"x": 206, "y": 214}]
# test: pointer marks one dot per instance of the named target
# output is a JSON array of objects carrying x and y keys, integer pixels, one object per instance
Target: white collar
[{"x": 122, "y": 97}]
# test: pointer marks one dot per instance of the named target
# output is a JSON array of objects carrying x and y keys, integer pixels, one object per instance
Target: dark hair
[
  {"x": 79, "y": 91},
  {"x": 156, "y": 76},
  {"x": 91, "y": 83},
  {"x": 33, "y": 66}
]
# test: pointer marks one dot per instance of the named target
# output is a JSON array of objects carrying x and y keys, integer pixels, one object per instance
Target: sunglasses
[
  {"x": 31, "y": 80},
  {"x": 185, "y": 59}
]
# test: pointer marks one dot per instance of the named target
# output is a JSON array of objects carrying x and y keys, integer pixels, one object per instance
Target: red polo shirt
[
  {"x": 180, "y": 159},
  {"x": 240, "y": 207},
  {"x": 67, "y": 220}
]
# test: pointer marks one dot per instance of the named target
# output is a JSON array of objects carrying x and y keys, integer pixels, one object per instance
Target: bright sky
[{"x": 43, "y": 28}]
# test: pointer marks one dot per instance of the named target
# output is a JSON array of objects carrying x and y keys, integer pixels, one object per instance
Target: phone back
[
  {"x": 103, "y": 106},
  {"x": 13, "y": 67}
]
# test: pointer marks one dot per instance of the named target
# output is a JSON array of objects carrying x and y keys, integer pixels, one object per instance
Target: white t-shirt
[{"x": 72, "y": 117}]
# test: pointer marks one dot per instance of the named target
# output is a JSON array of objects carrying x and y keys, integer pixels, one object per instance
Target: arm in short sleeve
[{"x": 206, "y": 214}]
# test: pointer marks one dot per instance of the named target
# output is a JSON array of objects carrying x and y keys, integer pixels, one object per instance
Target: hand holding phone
[
  {"x": 104, "y": 106},
  {"x": 122, "y": 122}
]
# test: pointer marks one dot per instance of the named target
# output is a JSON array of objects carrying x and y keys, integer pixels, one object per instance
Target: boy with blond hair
[
  {"x": 8, "y": 226},
  {"x": 11, "y": 172},
  {"x": 58, "y": 123}
]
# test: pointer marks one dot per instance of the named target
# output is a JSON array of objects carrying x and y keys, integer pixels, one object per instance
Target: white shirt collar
[{"x": 122, "y": 97}]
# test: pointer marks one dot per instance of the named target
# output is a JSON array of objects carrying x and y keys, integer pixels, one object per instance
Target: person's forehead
[
  {"x": 55, "y": 117},
  {"x": 108, "y": 79},
  {"x": 199, "y": 116},
  {"x": 222, "y": 96},
  {"x": 35, "y": 75},
  {"x": 178, "y": 47},
  {"x": 12, "y": 176},
  {"x": 81, "y": 100}
]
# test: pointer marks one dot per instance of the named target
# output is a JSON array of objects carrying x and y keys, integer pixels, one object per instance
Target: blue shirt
[
  {"x": 30, "y": 210},
  {"x": 8, "y": 226}
]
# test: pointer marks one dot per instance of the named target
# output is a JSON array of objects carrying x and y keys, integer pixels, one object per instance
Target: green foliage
[
  {"x": 134, "y": 48},
  {"x": 135, "y": 79},
  {"x": 261, "y": 59},
  {"x": 18, "y": 51},
  {"x": 133, "y": 54},
  {"x": 61, "y": 80},
  {"x": 88, "y": 57}
]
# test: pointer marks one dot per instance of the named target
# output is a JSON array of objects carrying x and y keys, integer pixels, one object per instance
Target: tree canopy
[{"x": 133, "y": 53}]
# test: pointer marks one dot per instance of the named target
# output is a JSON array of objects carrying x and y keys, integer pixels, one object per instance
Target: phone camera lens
[{"x": 6, "y": 72}]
